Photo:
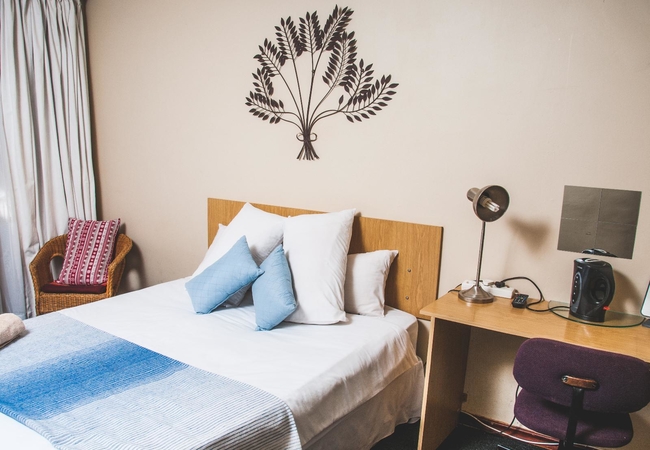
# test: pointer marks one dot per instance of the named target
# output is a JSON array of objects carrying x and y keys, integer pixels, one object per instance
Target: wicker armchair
[{"x": 42, "y": 274}]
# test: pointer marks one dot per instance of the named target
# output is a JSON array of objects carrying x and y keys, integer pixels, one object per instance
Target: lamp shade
[{"x": 490, "y": 203}]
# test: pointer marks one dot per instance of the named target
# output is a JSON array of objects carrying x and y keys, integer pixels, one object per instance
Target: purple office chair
[{"x": 577, "y": 394}]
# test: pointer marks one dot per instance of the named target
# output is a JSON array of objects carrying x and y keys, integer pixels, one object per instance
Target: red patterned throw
[{"x": 88, "y": 251}]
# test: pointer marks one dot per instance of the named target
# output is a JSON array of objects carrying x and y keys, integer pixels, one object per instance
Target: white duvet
[{"x": 322, "y": 372}]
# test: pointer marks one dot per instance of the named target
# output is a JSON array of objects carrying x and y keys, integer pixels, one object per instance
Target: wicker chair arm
[
  {"x": 116, "y": 267},
  {"x": 40, "y": 265}
]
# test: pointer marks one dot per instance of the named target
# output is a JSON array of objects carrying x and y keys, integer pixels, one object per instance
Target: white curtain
[{"x": 45, "y": 147}]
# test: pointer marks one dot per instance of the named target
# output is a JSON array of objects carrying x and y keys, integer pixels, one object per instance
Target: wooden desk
[{"x": 451, "y": 322}]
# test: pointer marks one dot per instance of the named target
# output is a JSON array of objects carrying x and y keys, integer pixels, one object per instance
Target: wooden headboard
[{"x": 413, "y": 279}]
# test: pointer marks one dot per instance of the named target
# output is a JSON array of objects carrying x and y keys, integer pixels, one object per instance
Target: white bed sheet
[{"x": 322, "y": 372}]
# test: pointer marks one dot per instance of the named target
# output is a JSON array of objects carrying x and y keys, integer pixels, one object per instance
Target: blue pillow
[
  {"x": 230, "y": 275},
  {"x": 273, "y": 292}
]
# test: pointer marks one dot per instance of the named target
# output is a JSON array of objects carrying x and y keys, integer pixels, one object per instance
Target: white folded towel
[{"x": 10, "y": 327}]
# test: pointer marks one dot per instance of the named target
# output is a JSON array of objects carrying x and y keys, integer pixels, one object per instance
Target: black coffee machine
[{"x": 593, "y": 289}]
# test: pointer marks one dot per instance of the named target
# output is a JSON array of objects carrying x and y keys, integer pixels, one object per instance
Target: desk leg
[{"x": 444, "y": 381}]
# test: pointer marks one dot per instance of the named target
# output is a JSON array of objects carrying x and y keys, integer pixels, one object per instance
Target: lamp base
[{"x": 476, "y": 294}]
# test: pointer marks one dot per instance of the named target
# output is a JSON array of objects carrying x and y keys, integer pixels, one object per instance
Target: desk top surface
[{"x": 501, "y": 317}]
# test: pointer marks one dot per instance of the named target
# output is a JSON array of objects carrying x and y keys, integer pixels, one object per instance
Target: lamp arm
[
  {"x": 480, "y": 254},
  {"x": 476, "y": 294}
]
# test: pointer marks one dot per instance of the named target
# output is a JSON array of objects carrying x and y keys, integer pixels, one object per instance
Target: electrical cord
[
  {"x": 508, "y": 435},
  {"x": 502, "y": 283},
  {"x": 558, "y": 308},
  {"x": 513, "y": 417},
  {"x": 503, "y": 432}
]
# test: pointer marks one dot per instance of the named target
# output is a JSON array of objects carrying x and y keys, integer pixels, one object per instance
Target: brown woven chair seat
[{"x": 50, "y": 296}]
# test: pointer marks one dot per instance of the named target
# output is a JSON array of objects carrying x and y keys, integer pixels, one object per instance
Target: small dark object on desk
[{"x": 520, "y": 300}]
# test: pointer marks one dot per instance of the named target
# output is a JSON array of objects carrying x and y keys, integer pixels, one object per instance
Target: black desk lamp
[{"x": 489, "y": 203}]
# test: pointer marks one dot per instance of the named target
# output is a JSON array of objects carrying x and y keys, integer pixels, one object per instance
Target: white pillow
[
  {"x": 365, "y": 282},
  {"x": 263, "y": 232},
  {"x": 316, "y": 247},
  {"x": 209, "y": 257}
]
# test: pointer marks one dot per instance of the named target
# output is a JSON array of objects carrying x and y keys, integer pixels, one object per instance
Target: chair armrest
[
  {"x": 116, "y": 267},
  {"x": 40, "y": 265}
]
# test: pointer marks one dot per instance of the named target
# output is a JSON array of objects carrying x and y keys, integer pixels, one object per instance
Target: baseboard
[{"x": 515, "y": 432}]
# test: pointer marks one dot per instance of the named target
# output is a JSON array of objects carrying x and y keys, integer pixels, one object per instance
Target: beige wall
[{"x": 529, "y": 94}]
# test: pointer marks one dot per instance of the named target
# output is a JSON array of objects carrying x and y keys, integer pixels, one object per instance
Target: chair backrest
[{"x": 623, "y": 381}]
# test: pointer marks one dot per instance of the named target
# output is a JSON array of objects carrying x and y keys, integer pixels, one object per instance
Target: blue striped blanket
[{"x": 82, "y": 388}]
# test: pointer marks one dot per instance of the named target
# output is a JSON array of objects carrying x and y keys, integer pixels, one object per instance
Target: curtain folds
[{"x": 46, "y": 149}]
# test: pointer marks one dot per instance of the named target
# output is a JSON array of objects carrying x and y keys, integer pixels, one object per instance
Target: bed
[{"x": 340, "y": 385}]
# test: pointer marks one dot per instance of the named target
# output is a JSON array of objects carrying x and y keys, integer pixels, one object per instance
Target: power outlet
[{"x": 488, "y": 286}]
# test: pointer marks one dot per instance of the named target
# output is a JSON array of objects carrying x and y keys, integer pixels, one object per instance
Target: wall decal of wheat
[{"x": 332, "y": 45}]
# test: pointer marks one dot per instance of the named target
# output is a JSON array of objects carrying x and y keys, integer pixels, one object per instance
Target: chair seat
[
  {"x": 50, "y": 296},
  {"x": 61, "y": 288},
  {"x": 597, "y": 429}
]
